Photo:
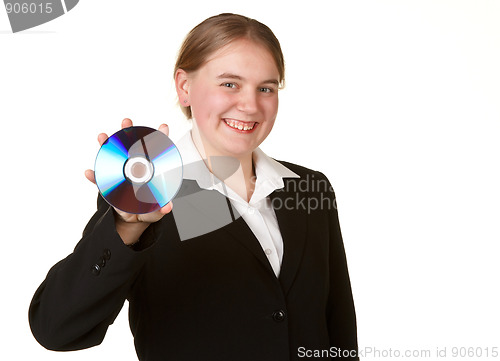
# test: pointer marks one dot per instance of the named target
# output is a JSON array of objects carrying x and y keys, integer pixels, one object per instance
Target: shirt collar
[
  {"x": 269, "y": 172},
  {"x": 194, "y": 167}
]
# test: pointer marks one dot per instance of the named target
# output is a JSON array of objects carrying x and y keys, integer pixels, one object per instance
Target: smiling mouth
[{"x": 239, "y": 125}]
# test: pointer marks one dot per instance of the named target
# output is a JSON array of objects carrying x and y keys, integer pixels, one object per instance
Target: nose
[{"x": 248, "y": 101}]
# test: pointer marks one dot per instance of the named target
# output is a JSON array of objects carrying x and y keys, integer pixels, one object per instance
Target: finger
[
  {"x": 101, "y": 138},
  {"x": 89, "y": 174},
  {"x": 164, "y": 129},
  {"x": 167, "y": 208},
  {"x": 126, "y": 123}
]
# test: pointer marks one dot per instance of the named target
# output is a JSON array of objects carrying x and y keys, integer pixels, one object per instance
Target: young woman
[{"x": 249, "y": 262}]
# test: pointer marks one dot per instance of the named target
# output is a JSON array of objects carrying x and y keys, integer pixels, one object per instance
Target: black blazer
[{"x": 211, "y": 297}]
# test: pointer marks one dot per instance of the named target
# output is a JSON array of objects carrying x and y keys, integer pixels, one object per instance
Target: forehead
[{"x": 245, "y": 58}]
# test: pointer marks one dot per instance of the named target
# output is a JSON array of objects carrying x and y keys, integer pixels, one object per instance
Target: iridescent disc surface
[{"x": 138, "y": 170}]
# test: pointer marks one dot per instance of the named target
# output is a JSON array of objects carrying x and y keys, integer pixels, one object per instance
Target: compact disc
[{"x": 138, "y": 170}]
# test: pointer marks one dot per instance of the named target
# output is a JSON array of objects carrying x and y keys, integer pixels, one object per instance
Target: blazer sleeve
[
  {"x": 341, "y": 315},
  {"x": 83, "y": 294}
]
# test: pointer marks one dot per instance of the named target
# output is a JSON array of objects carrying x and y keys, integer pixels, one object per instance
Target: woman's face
[{"x": 234, "y": 98}]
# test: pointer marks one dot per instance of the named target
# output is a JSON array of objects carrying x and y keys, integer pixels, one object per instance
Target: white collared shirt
[{"x": 258, "y": 213}]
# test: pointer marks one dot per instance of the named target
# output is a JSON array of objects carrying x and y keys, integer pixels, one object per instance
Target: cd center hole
[{"x": 138, "y": 170}]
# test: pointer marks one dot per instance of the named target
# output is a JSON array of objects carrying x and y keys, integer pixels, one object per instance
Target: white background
[{"x": 397, "y": 102}]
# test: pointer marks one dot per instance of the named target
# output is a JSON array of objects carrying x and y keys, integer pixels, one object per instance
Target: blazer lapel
[
  {"x": 198, "y": 211},
  {"x": 243, "y": 234},
  {"x": 292, "y": 221}
]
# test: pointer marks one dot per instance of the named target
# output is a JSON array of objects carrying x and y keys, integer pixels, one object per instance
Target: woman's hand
[{"x": 130, "y": 226}]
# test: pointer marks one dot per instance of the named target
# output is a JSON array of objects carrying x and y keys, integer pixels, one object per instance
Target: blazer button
[
  {"x": 279, "y": 316},
  {"x": 102, "y": 262},
  {"x": 96, "y": 270},
  {"x": 106, "y": 254}
]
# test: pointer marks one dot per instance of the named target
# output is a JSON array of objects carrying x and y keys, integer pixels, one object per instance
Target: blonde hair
[{"x": 218, "y": 31}]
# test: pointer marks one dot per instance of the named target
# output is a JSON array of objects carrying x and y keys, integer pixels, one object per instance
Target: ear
[{"x": 182, "y": 87}]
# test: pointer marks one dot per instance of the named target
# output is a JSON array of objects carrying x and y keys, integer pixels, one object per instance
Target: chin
[{"x": 239, "y": 150}]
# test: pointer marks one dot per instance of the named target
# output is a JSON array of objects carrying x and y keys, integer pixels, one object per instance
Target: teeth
[{"x": 232, "y": 124}]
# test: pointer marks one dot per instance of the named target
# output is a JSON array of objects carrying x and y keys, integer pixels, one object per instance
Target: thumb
[
  {"x": 89, "y": 174},
  {"x": 164, "y": 129}
]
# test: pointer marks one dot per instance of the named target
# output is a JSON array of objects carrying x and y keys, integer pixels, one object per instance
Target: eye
[
  {"x": 229, "y": 85},
  {"x": 266, "y": 90}
]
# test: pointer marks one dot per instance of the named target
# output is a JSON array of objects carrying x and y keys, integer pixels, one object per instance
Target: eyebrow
[{"x": 237, "y": 77}]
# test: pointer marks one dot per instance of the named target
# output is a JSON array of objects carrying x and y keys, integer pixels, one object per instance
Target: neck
[{"x": 240, "y": 177}]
